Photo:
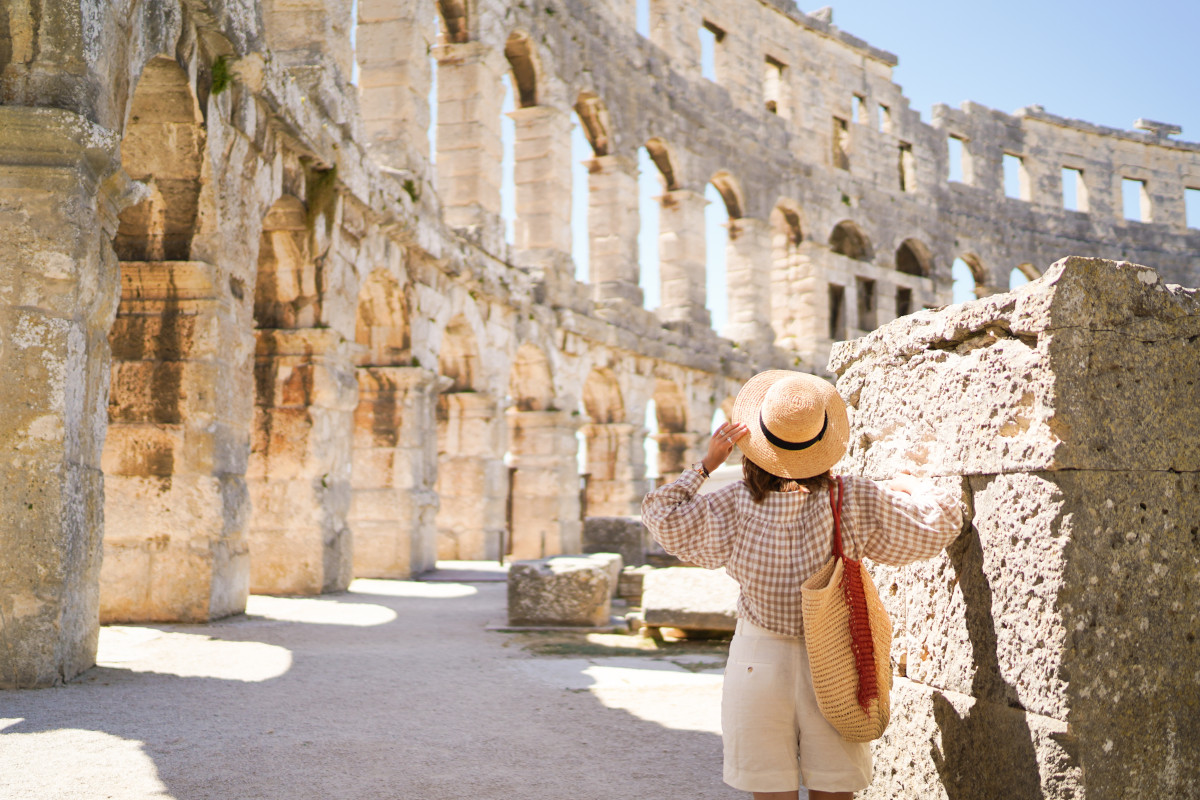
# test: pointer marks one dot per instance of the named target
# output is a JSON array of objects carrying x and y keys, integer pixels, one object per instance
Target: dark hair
[{"x": 761, "y": 483}]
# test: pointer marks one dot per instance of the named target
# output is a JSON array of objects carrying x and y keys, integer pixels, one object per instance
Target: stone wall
[
  {"x": 1051, "y": 652},
  {"x": 318, "y": 352}
]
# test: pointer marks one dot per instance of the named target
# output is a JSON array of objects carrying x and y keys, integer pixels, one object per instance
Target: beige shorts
[{"x": 774, "y": 733}]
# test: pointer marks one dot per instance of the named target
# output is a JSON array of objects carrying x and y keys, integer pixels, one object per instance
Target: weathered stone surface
[
  {"x": 563, "y": 590},
  {"x": 624, "y": 535},
  {"x": 690, "y": 598},
  {"x": 1013, "y": 382},
  {"x": 1072, "y": 598},
  {"x": 613, "y": 564}
]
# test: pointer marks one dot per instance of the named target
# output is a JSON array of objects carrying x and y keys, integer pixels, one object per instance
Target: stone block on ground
[
  {"x": 690, "y": 598},
  {"x": 629, "y": 586},
  {"x": 624, "y": 535},
  {"x": 562, "y": 590},
  {"x": 613, "y": 564}
]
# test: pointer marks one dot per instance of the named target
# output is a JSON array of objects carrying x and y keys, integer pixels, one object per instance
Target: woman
[{"x": 771, "y": 531}]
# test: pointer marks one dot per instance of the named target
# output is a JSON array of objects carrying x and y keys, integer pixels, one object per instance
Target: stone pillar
[
  {"x": 470, "y": 96},
  {"x": 545, "y": 490},
  {"x": 176, "y": 505},
  {"x": 616, "y": 468},
  {"x": 472, "y": 480},
  {"x": 303, "y": 33},
  {"x": 748, "y": 271},
  {"x": 542, "y": 174},
  {"x": 1058, "y": 634},
  {"x": 299, "y": 472},
  {"x": 681, "y": 258},
  {"x": 393, "y": 42},
  {"x": 393, "y": 505},
  {"x": 676, "y": 451},
  {"x": 613, "y": 224},
  {"x": 58, "y": 294}
]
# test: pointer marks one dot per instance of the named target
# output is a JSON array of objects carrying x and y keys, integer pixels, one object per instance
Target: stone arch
[
  {"x": 525, "y": 67},
  {"x": 731, "y": 193},
  {"x": 286, "y": 293},
  {"x": 593, "y": 116},
  {"x": 163, "y": 148},
  {"x": 602, "y": 397},
  {"x": 913, "y": 257},
  {"x": 458, "y": 358},
  {"x": 664, "y": 159},
  {"x": 787, "y": 231},
  {"x": 673, "y": 440},
  {"x": 849, "y": 240},
  {"x": 1029, "y": 271},
  {"x": 976, "y": 273},
  {"x": 381, "y": 324},
  {"x": 531, "y": 382},
  {"x": 455, "y": 17}
]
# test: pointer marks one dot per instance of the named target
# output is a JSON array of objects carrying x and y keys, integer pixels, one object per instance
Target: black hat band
[{"x": 783, "y": 444}]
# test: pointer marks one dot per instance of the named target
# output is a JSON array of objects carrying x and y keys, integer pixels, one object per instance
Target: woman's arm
[
  {"x": 696, "y": 528},
  {"x": 906, "y": 519}
]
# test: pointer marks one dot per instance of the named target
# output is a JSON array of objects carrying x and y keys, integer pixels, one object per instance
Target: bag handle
[{"x": 835, "y": 502}]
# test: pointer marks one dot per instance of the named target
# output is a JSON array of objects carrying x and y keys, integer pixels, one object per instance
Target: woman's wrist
[{"x": 708, "y": 468}]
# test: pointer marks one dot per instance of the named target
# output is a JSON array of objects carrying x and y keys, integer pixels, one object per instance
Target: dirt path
[{"x": 392, "y": 690}]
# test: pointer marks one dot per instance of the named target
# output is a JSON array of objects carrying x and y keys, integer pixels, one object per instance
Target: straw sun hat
[{"x": 797, "y": 422}]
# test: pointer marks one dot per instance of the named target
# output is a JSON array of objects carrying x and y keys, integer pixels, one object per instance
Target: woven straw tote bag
[{"x": 849, "y": 638}]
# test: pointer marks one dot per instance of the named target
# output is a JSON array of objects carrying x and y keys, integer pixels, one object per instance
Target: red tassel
[{"x": 862, "y": 643}]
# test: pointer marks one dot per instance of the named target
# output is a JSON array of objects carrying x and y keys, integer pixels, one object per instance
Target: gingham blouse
[{"x": 770, "y": 548}]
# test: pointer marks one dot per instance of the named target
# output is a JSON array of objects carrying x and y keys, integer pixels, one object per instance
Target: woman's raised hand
[{"x": 721, "y": 444}]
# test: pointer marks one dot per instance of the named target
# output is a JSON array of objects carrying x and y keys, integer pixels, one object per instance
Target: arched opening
[
  {"x": 593, "y": 117},
  {"x": 968, "y": 278},
  {"x": 849, "y": 240},
  {"x": 522, "y": 61},
  {"x": 614, "y": 448},
  {"x": 581, "y": 154},
  {"x": 508, "y": 163},
  {"x": 163, "y": 148},
  {"x": 914, "y": 258},
  {"x": 381, "y": 325},
  {"x": 660, "y": 154},
  {"x": 724, "y": 198},
  {"x": 672, "y": 442},
  {"x": 472, "y": 479},
  {"x": 788, "y": 269},
  {"x": 455, "y": 21},
  {"x": 1021, "y": 275},
  {"x": 652, "y": 184},
  {"x": 286, "y": 294}
]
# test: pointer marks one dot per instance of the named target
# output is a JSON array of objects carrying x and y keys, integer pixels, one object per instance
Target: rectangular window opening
[
  {"x": 858, "y": 109},
  {"x": 841, "y": 143},
  {"x": 957, "y": 148},
  {"x": 865, "y": 291},
  {"x": 1074, "y": 190},
  {"x": 1191, "y": 202},
  {"x": 885, "y": 119},
  {"x": 903, "y": 301},
  {"x": 773, "y": 84},
  {"x": 1135, "y": 200},
  {"x": 1016, "y": 179},
  {"x": 837, "y": 312},
  {"x": 641, "y": 17},
  {"x": 908, "y": 168},
  {"x": 710, "y": 37}
]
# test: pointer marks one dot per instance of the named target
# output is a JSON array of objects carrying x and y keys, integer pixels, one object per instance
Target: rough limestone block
[
  {"x": 690, "y": 598},
  {"x": 613, "y": 564},
  {"x": 563, "y": 590},
  {"x": 1052, "y": 648},
  {"x": 1014, "y": 381},
  {"x": 624, "y": 535}
]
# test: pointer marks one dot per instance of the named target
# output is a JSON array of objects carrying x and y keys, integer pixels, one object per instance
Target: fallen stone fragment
[
  {"x": 563, "y": 590},
  {"x": 690, "y": 598}
]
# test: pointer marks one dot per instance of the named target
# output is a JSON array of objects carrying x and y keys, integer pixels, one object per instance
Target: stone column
[
  {"x": 545, "y": 490},
  {"x": 616, "y": 468},
  {"x": 394, "y": 80},
  {"x": 304, "y": 33},
  {"x": 299, "y": 472},
  {"x": 470, "y": 96},
  {"x": 393, "y": 505},
  {"x": 681, "y": 258},
  {"x": 542, "y": 174},
  {"x": 176, "y": 505},
  {"x": 1058, "y": 633},
  {"x": 58, "y": 294},
  {"x": 676, "y": 451},
  {"x": 613, "y": 224},
  {"x": 748, "y": 277},
  {"x": 472, "y": 480}
]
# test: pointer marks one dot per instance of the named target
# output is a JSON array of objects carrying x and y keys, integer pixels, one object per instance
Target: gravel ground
[{"x": 395, "y": 689}]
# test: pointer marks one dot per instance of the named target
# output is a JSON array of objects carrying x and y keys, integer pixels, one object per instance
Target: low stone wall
[{"x": 1051, "y": 651}]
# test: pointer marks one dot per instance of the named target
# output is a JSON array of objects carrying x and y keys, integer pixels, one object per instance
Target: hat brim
[{"x": 793, "y": 464}]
